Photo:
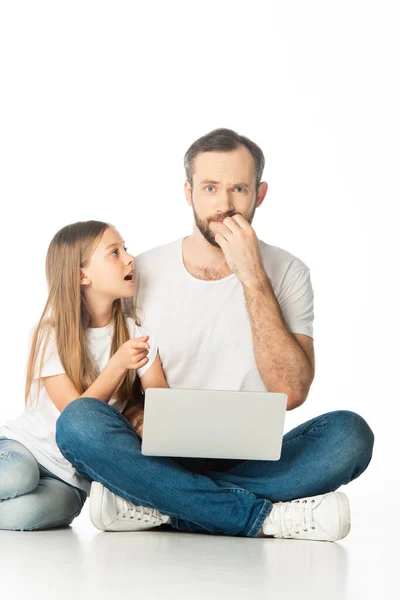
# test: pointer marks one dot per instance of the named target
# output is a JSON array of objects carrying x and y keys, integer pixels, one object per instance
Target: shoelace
[
  {"x": 139, "y": 513},
  {"x": 293, "y": 517}
]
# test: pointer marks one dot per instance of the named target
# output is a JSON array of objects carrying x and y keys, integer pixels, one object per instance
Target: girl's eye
[{"x": 116, "y": 251}]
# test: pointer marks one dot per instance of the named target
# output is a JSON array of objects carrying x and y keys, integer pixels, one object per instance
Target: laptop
[{"x": 213, "y": 424}]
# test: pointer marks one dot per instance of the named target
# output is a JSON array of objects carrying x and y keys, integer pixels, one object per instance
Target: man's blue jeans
[{"x": 231, "y": 497}]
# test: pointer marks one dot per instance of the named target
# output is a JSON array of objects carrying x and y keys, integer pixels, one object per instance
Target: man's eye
[
  {"x": 209, "y": 186},
  {"x": 238, "y": 187}
]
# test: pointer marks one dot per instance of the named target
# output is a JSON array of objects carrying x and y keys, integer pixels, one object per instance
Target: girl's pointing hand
[{"x": 133, "y": 353}]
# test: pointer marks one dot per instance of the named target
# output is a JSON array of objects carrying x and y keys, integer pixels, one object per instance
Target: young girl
[{"x": 85, "y": 345}]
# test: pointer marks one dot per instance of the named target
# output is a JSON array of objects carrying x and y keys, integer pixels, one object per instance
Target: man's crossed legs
[{"x": 289, "y": 497}]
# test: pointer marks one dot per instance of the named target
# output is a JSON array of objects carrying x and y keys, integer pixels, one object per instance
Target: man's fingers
[
  {"x": 231, "y": 224},
  {"x": 241, "y": 221},
  {"x": 219, "y": 238}
]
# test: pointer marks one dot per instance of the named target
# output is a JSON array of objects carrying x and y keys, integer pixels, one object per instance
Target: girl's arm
[
  {"x": 62, "y": 391},
  {"x": 155, "y": 378},
  {"x": 131, "y": 355}
]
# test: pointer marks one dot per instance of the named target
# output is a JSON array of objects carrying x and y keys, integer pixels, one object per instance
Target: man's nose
[{"x": 224, "y": 201}]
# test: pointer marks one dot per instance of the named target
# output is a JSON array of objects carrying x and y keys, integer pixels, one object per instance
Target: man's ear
[
  {"x": 261, "y": 193},
  {"x": 84, "y": 278},
  {"x": 188, "y": 192}
]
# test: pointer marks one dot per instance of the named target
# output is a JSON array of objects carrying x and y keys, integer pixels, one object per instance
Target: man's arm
[
  {"x": 281, "y": 361},
  {"x": 285, "y": 362}
]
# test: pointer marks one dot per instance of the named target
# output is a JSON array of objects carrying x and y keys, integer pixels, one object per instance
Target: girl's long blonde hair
[{"x": 67, "y": 315}]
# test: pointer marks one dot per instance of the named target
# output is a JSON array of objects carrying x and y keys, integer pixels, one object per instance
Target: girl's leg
[
  {"x": 103, "y": 446},
  {"x": 19, "y": 471},
  {"x": 31, "y": 497}
]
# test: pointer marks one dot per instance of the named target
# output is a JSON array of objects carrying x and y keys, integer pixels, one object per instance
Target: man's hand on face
[{"x": 238, "y": 241}]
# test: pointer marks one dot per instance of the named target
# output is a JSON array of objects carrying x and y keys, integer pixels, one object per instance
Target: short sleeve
[
  {"x": 296, "y": 300},
  {"x": 51, "y": 364},
  {"x": 152, "y": 341}
]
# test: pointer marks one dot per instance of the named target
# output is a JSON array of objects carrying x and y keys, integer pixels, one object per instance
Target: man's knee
[
  {"x": 75, "y": 420},
  {"x": 359, "y": 436}
]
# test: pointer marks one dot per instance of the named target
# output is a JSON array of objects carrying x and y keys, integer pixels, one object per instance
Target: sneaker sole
[
  {"x": 95, "y": 502},
  {"x": 344, "y": 512}
]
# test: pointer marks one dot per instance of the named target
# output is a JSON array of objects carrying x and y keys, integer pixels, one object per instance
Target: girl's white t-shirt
[{"x": 35, "y": 428}]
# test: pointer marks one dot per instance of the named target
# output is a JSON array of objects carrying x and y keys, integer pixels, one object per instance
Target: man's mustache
[{"x": 222, "y": 217}]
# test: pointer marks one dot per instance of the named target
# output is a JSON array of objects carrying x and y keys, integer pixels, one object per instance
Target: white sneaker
[
  {"x": 110, "y": 512},
  {"x": 325, "y": 517}
]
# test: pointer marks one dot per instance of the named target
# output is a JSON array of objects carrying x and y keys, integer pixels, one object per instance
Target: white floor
[{"x": 81, "y": 562}]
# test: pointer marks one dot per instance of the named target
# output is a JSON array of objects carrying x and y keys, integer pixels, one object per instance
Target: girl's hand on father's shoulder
[{"x": 133, "y": 353}]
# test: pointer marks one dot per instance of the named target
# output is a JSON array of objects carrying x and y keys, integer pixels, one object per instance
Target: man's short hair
[{"x": 223, "y": 140}]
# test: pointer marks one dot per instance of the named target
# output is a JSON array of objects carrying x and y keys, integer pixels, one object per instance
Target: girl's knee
[
  {"x": 52, "y": 504},
  {"x": 19, "y": 474},
  {"x": 27, "y": 514}
]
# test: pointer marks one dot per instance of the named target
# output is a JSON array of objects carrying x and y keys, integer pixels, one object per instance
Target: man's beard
[{"x": 203, "y": 225}]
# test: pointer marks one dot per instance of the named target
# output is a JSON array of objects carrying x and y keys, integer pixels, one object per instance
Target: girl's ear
[{"x": 85, "y": 279}]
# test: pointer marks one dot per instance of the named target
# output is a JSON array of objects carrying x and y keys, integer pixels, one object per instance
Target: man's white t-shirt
[
  {"x": 35, "y": 428},
  {"x": 203, "y": 329}
]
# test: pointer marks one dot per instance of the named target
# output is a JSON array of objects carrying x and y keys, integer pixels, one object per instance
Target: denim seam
[
  {"x": 237, "y": 490},
  {"x": 264, "y": 512},
  {"x": 319, "y": 422}
]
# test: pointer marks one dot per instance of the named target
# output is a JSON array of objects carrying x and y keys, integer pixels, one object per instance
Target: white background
[{"x": 99, "y": 102}]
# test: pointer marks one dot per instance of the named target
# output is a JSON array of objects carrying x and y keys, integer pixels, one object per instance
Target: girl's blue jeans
[
  {"x": 31, "y": 497},
  {"x": 218, "y": 496}
]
